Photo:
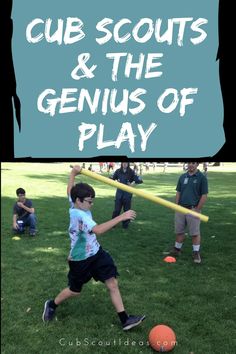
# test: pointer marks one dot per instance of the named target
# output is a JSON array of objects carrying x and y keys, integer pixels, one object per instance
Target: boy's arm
[
  {"x": 100, "y": 229},
  {"x": 177, "y": 197},
  {"x": 204, "y": 192},
  {"x": 136, "y": 179},
  {"x": 201, "y": 202},
  {"x": 74, "y": 172},
  {"x": 178, "y": 191},
  {"x": 15, "y": 226},
  {"x": 29, "y": 210}
]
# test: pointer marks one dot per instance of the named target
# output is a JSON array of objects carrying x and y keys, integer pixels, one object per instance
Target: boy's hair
[
  {"x": 20, "y": 191},
  {"x": 128, "y": 163},
  {"x": 81, "y": 191},
  {"x": 129, "y": 170}
]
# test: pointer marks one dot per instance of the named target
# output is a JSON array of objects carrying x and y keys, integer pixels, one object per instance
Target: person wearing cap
[
  {"x": 23, "y": 214},
  {"x": 127, "y": 176},
  {"x": 192, "y": 190}
]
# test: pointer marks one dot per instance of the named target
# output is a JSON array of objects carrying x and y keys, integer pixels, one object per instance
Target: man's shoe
[
  {"x": 196, "y": 257},
  {"x": 175, "y": 252},
  {"x": 48, "y": 312},
  {"x": 132, "y": 321},
  {"x": 32, "y": 234}
]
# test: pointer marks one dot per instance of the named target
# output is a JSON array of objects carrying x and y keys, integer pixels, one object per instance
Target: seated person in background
[{"x": 23, "y": 214}]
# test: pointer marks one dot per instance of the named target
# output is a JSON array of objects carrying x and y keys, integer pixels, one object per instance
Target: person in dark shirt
[
  {"x": 191, "y": 193},
  {"x": 23, "y": 214},
  {"x": 127, "y": 176}
]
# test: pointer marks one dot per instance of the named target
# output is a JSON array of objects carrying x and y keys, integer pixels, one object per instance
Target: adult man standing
[
  {"x": 127, "y": 176},
  {"x": 23, "y": 214},
  {"x": 192, "y": 190}
]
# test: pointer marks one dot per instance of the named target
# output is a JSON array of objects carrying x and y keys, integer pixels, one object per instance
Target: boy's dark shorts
[{"x": 99, "y": 267}]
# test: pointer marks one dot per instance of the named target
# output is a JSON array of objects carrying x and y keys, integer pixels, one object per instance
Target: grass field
[{"x": 197, "y": 301}]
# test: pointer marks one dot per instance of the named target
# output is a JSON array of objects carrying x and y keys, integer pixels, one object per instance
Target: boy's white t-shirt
[{"x": 84, "y": 242}]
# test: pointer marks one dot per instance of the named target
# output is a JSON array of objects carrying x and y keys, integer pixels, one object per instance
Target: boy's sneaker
[
  {"x": 175, "y": 252},
  {"x": 33, "y": 232},
  {"x": 48, "y": 312},
  {"x": 132, "y": 321},
  {"x": 196, "y": 257}
]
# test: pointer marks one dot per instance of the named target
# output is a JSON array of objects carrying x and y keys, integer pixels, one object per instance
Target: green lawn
[{"x": 196, "y": 301}]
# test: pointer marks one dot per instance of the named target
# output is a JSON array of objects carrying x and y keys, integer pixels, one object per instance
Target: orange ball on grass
[{"x": 162, "y": 338}]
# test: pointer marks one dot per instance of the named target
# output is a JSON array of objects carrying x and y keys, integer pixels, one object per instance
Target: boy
[
  {"x": 124, "y": 175},
  {"x": 192, "y": 190},
  {"x": 23, "y": 214},
  {"x": 87, "y": 259}
]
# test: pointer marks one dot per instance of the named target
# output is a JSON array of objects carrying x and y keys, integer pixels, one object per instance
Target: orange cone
[{"x": 170, "y": 259}]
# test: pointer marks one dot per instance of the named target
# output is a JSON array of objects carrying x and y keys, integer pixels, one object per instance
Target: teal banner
[{"x": 124, "y": 78}]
